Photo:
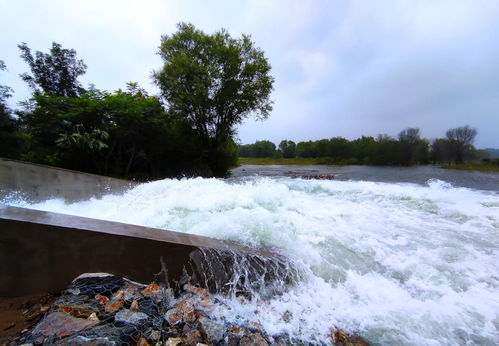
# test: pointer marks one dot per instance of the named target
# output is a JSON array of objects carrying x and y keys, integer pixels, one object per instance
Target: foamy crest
[{"x": 399, "y": 263}]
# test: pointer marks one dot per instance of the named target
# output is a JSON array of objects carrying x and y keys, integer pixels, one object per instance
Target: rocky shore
[{"x": 104, "y": 309}]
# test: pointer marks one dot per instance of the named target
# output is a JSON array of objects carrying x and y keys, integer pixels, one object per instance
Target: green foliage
[
  {"x": 288, "y": 149},
  {"x": 213, "y": 82},
  {"x": 10, "y": 142},
  {"x": 55, "y": 73},
  {"x": 409, "y": 149},
  {"x": 125, "y": 133},
  {"x": 258, "y": 149}
]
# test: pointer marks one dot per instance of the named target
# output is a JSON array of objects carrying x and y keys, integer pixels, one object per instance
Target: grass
[
  {"x": 469, "y": 166},
  {"x": 293, "y": 161}
]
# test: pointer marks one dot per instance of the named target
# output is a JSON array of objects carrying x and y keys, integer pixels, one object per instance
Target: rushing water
[{"x": 396, "y": 255}]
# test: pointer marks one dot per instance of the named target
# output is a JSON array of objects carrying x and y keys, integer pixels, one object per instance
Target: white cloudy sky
[{"x": 342, "y": 68}]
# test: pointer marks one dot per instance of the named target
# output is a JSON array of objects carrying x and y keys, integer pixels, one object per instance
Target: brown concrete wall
[
  {"x": 42, "y": 252},
  {"x": 38, "y": 182}
]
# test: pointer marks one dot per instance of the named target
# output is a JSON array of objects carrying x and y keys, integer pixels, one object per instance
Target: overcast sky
[{"x": 342, "y": 68}]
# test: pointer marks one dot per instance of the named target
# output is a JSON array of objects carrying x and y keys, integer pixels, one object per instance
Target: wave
[{"x": 399, "y": 263}]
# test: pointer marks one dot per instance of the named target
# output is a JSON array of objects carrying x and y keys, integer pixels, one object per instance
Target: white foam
[{"x": 400, "y": 263}]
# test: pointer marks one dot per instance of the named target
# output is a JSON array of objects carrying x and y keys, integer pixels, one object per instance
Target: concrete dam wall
[
  {"x": 39, "y": 182},
  {"x": 43, "y": 251}
]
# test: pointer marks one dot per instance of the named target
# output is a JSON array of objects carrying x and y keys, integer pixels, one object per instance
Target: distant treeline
[{"x": 407, "y": 149}]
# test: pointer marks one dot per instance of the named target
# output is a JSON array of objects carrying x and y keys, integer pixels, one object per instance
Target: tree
[
  {"x": 459, "y": 140},
  {"x": 409, "y": 141},
  {"x": 55, "y": 73},
  {"x": 215, "y": 81},
  {"x": 288, "y": 149},
  {"x": 9, "y": 139}
]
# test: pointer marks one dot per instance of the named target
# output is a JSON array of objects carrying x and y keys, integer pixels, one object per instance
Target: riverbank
[
  {"x": 283, "y": 161},
  {"x": 299, "y": 161},
  {"x": 472, "y": 167}
]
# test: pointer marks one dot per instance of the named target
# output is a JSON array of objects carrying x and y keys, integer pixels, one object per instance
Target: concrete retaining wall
[
  {"x": 38, "y": 182},
  {"x": 43, "y": 252}
]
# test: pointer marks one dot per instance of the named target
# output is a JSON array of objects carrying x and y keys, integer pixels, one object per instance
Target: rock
[
  {"x": 142, "y": 342},
  {"x": 193, "y": 337},
  {"x": 352, "y": 341},
  {"x": 151, "y": 289},
  {"x": 134, "y": 306},
  {"x": 148, "y": 306},
  {"x": 253, "y": 339},
  {"x": 173, "y": 316},
  {"x": 113, "y": 305},
  {"x": 189, "y": 314},
  {"x": 154, "y": 335},
  {"x": 214, "y": 331},
  {"x": 61, "y": 324},
  {"x": 131, "y": 317},
  {"x": 196, "y": 290},
  {"x": 131, "y": 291},
  {"x": 174, "y": 341},
  {"x": 104, "y": 285},
  {"x": 101, "y": 299},
  {"x": 115, "y": 334},
  {"x": 93, "y": 317},
  {"x": 235, "y": 334},
  {"x": 82, "y": 340}
]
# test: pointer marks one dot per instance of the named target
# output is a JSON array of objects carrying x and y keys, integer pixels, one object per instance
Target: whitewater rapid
[{"x": 397, "y": 263}]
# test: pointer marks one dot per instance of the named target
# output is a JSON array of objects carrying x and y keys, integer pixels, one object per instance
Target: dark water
[{"x": 417, "y": 175}]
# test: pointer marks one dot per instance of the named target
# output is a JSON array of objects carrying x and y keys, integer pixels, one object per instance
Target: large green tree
[
  {"x": 215, "y": 81},
  {"x": 55, "y": 73}
]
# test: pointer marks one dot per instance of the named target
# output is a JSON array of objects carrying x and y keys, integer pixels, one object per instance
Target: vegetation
[
  {"x": 214, "y": 82},
  {"x": 408, "y": 149},
  {"x": 484, "y": 166},
  {"x": 209, "y": 84}
]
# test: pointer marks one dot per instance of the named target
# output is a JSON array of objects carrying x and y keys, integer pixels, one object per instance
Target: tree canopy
[
  {"x": 55, "y": 73},
  {"x": 214, "y": 81}
]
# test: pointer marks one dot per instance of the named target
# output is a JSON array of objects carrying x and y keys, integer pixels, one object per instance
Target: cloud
[{"x": 342, "y": 68}]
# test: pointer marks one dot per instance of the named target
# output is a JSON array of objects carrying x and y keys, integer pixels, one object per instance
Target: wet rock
[
  {"x": 93, "y": 317},
  {"x": 113, "y": 305},
  {"x": 234, "y": 335},
  {"x": 173, "y": 316},
  {"x": 189, "y": 314},
  {"x": 134, "y": 306},
  {"x": 142, "y": 342},
  {"x": 119, "y": 334},
  {"x": 352, "y": 341},
  {"x": 91, "y": 286},
  {"x": 81, "y": 340},
  {"x": 131, "y": 317},
  {"x": 148, "y": 306},
  {"x": 196, "y": 290},
  {"x": 101, "y": 299},
  {"x": 151, "y": 289},
  {"x": 193, "y": 337},
  {"x": 154, "y": 335},
  {"x": 174, "y": 341},
  {"x": 214, "y": 331},
  {"x": 253, "y": 339},
  {"x": 61, "y": 324},
  {"x": 131, "y": 291}
]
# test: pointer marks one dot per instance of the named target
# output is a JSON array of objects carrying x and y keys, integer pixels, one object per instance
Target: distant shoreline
[{"x": 267, "y": 161}]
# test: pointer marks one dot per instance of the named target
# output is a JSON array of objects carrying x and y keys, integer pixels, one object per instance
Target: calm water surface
[{"x": 418, "y": 174}]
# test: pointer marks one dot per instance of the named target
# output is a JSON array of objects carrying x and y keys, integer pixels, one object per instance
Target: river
[{"x": 399, "y": 255}]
